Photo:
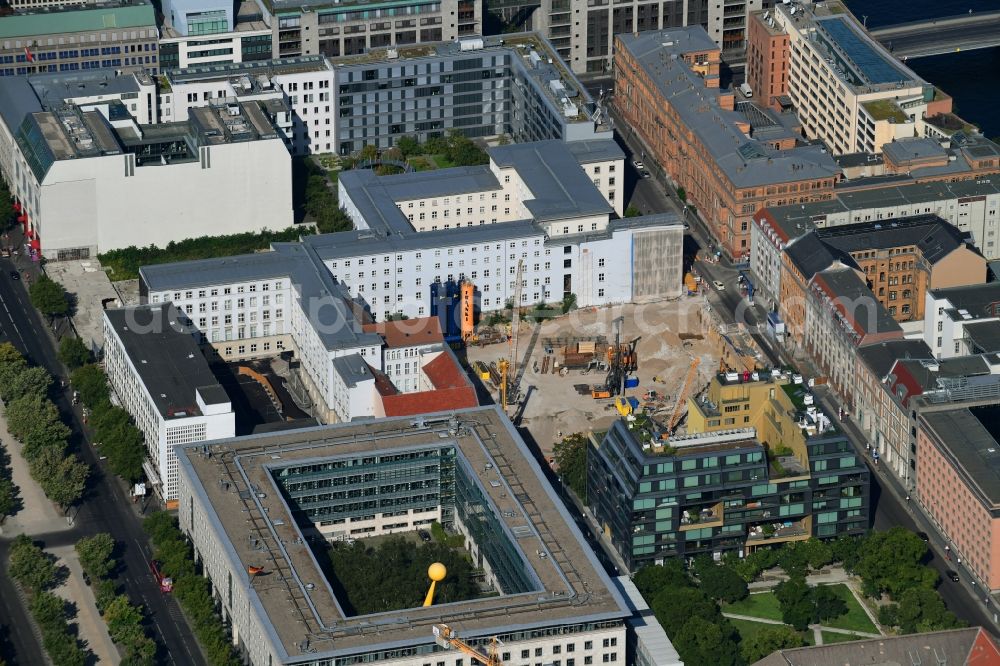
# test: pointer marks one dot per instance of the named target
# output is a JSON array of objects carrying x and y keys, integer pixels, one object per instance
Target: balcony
[
  {"x": 770, "y": 533},
  {"x": 696, "y": 518}
]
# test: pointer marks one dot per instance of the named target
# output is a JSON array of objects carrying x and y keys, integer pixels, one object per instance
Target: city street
[
  {"x": 106, "y": 507},
  {"x": 888, "y": 498}
]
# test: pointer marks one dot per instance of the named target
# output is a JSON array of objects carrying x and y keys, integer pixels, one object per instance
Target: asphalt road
[{"x": 106, "y": 507}]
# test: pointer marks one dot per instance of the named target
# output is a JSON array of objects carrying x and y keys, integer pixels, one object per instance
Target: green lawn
[
  {"x": 855, "y": 619},
  {"x": 748, "y": 628},
  {"x": 830, "y": 637},
  {"x": 442, "y": 162},
  {"x": 764, "y": 605}
]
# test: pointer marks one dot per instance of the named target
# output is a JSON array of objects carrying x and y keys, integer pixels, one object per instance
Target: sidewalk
[
  {"x": 37, "y": 515},
  {"x": 92, "y": 627}
]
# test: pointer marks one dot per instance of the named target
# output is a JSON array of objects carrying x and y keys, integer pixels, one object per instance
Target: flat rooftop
[
  {"x": 745, "y": 161},
  {"x": 40, "y": 21},
  {"x": 969, "y": 439},
  {"x": 166, "y": 358},
  {"x": 300, "y": 603}
]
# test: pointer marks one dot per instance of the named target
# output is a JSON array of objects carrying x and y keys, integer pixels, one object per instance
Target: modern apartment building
[
  {"x": 112, "y": 35},
  {"x": 195, "y": 33},
  {"x": 467, "y": 469},
  {"x": 77, "y": 167},
  {"x": 481, "y": 87},
  {"x": 900, "y": 258},
  {"x": 325, "y": 27},
  {"x": 847, "y": 89},
  {"x": 760, "y": 465},
  {"x": 731, "y": 158},
  {"x": 583, "y": 32},
  {"x": 160, "y": 377}
]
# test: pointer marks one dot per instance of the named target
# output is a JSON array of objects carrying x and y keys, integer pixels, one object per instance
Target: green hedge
[{"x": 124, "y": 264}]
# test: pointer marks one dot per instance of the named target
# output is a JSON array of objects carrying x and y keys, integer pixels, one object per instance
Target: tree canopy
[
  {"x": 393, "y": 574},
  {"x": 571, "y": 460},
  {"x": 761, "y": 643},
  {"x": 73, "y": 352},
  {"x": 49, "y": 297},
  {"x": 891, "y": 562}
]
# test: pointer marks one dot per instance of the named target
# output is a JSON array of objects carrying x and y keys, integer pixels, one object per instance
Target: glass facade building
[
  {"x": 724, "y": 491},
  {"x": 389, "y": 484}
]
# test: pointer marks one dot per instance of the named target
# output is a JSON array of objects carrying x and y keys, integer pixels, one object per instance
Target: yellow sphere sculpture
[{"x": 436, "y": 572}]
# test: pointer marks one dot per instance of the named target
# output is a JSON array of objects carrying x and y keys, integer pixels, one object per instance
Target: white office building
[
  {"x": 307, "y": 298},
  {"x": 90, "y": 177},
  {"x": 161, "y": 378}
]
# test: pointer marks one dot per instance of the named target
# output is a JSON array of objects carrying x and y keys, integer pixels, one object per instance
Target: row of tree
[
  {"x": 173, "y": 552},
  {"x": 10, "y": 494},
  {"x": 34, "y": 421},
  {"x": 455, "y": 147},
  {"x": 36, "y": 573},
  {"x": 321, "y": 202},
  {"x": 113, "y": 430},
  {"x": 124, "y": 264},
  {"x": 124, "y": 619}
]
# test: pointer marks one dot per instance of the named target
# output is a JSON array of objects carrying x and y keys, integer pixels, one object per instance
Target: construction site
[{"x": 583, "y": 370}]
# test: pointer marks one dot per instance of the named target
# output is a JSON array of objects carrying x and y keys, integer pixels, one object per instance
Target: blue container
[{"x": 631, "y": 382}]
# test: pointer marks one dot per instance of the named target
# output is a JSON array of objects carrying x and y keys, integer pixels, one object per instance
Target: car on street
[
  {"x": 718, "y": 285},
  {"x": 424, "y": 536},
  {"x": 14, "y": 275},
  {"x": 923, "y": 536},
  {"x": 165, "y": 582},
  {"x": 951, "y": 575},
  {"x": 639, "y": 166}
]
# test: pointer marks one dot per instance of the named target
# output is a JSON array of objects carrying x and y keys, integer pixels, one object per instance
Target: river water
[{"x": 972, "y": 78}]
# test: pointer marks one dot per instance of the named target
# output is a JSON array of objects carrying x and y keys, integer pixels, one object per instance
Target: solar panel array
[{"x": 869, "y": 62}]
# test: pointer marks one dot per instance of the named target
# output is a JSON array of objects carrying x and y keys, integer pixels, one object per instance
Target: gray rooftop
[
  {"x": 983, "y": 336},
  {"x": 968, "y": 438},
  {"x": 913, "y": 148},
  {"x": 551, "y": 171},
  {"x": 159, "y": 345},
  {"x": 799, "y": 216},
  {"x": 326, "y": 301},
  {"x": 745, "y": 161},
  {"x": 809, "y": 254},
  {"x": 307, "y": 63},
  {"x": 979, "y": 300},
  {"x": 934, "y": 237},
  {"x": 596, "y": 150},
  {"x": 572, "y": 585},
  {"x": 957, "y": 646},
  {"x": 353, "y": 369},
  {"x": 881, "y": 356},
  {"x": 865, "y": 313}
]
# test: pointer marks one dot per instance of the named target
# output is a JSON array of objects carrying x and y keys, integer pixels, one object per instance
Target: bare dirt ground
[{"x": 670, "y": 335}]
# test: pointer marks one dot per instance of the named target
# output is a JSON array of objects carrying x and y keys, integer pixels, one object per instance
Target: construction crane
[
  {"x": 446, "y": 638},
  {"x": 675, "y": 417},
  {"x": 508, "y": 366}
]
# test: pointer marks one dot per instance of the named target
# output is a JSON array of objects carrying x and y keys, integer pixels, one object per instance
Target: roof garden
[{"x": 885, "y": 109}]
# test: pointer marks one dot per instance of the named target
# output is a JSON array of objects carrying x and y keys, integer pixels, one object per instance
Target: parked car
[
  {"x": 923, "y": 536},
  {"x": 718, "y": 286},
  {"x": 639, "y": 166},
  {"x": 14, "y": 275},
  {"x": 424, "y": 536},
  {"x": 951, "y": 575}
]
